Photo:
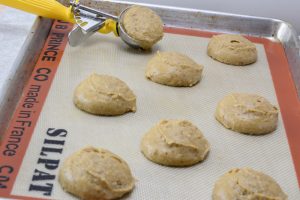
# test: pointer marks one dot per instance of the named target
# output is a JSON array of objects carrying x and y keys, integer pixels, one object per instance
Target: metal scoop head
[
  {"x": 88, "y": 21},
  {"x": 122, "y": 33}
]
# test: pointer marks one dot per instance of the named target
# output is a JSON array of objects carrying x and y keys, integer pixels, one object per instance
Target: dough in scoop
[
  {"x": 173, "y": 69},
  {"x": 175, "y": 143},
  {"x": 232, "y": 49},
  {"x": 247, "y": 113},
  {"x": 104, "y": 95},
  {"x": 143, "y": 25},
  {"x": 95, "y": 173},
  {"x": 247, "y": 184}
]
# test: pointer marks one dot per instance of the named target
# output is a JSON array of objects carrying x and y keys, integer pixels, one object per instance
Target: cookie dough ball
[
  {"x": 104, "y": 95},
  {"x": 232, "y": 49},
  {"x": 247, "y": 113},
  {"x": 94, "y": 173},
  {"x": 246, "y": 184},
  {"x": 143, "y": 25},
  {"x": 173, "y": 69},
  {"x": 175, "y": 143}
]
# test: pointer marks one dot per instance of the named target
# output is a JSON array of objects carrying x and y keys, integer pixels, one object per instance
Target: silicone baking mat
[{"x": 47, "y": 127}]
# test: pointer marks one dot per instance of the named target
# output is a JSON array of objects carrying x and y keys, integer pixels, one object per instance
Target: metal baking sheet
[
  {"x": 21, "y": 70},
  {"x": 183, "y": 32}
]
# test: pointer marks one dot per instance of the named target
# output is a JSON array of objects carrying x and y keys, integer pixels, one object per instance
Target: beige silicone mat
[{"x": 122, "y": 134}]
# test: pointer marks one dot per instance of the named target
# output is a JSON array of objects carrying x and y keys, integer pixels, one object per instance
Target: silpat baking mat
[{"x": 44, "y": 131}]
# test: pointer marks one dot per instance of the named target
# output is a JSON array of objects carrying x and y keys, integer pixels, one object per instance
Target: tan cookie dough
[
  {"x": 173, "y": 69},
  {"x": 143, "y": 25},
  {"x": 247, "y": 113},
  {"x": 104, "y": 95},
  {"x": 232, "y": 49},
  {"x": 175, "y": 143},
  {"x": 247, "y": 184},
  {"x": 95, "y": 173}
]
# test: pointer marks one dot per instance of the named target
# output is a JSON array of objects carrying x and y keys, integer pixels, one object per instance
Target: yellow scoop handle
[{"x": 55, "y": 10}]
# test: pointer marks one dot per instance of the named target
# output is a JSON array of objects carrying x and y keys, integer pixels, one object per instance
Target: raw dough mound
[
  {"x": 104, "y": 95},
  {"x": 173, "y": 69},
  {"x": 143, "y": 25},
  {"x": 247, "y": 184},
  {"x": 93, "y": 174},
  {"x": 232, "y": 49},
  {"x": 175, "y": 143},
  {"x": 247, "y": 113}
]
